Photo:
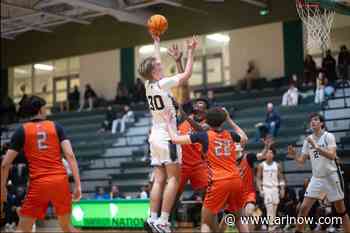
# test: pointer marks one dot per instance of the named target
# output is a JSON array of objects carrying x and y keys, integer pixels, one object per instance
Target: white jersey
[
  {"x": 321, "y": 166},
  {"x": 160, "y": 99},
  {"x": 270, "y": 175}
]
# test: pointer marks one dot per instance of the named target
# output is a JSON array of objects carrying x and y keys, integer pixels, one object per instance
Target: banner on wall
[{"x": 110, "y": 213}]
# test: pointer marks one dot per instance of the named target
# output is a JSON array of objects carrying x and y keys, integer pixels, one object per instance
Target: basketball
[{"x": 157, "y": 24}]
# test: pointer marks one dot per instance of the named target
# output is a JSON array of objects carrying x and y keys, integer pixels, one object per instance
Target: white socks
[
  {"x": 154, "y": 216},
  {"x": 164, "y": 217}
]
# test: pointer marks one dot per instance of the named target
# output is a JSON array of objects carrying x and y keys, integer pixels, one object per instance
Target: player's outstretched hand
[
  {"x": 77, "y": 194},
  {"x": 175, "y": 53},
  {"x": 192, "y": 43},
  {"x": 291, "y": 152}
]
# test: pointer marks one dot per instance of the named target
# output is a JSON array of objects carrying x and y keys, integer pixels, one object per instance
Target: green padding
[
  {"x": 127, "y": 60},
  {"x": 110, "y": 213},
  {"x": 293, "y": 47}
]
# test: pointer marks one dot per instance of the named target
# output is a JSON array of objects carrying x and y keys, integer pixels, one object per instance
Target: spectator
[
  {"x": 270, "y": 126},
  {"x": 101, "y": 194},
  {"x": 122, "y": 94},
  {"x": 328, "y": 89},
  {"x": 290, "y": 97},
  {"x": 344, "y": 62},
  {"x": 144, "y": 192},
  {"x": 110, "y": 117},
  {"x": 73, "y": 99},
  {"x": 251, "y": 75},
  {"x": 128, "y": 117},
  {"x": 89, "y": 96},
  {"x": 309, "y": 71},
  {"x": 319, "y": 92},
  {"x": 115, "y": 193},
  {"x": 139, "y": 91},
  {"x": 328, "y": 65}
]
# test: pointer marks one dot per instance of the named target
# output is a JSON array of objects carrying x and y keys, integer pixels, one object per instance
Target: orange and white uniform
[
  {"x": 224, "y": 181},
  {"x": 247, "y": 171},
  {"x": 40, "y": 141},
  {"x": 193, "y": 166}
]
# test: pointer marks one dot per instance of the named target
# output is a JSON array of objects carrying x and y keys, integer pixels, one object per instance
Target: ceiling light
[
  {"x": 218, "y": 37},
  {"x": 43, "y": 67},
  {"x": 20, "y": 71},
  {"x": 147, "y": 49}
]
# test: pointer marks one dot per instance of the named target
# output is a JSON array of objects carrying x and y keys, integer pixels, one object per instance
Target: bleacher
[{"x": 108, "y": 159}]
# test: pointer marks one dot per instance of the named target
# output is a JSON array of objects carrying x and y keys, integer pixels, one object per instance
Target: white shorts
[
  {"x": 271, "y": 196},
  {"x": 330, "y": 186},
  {"x": 164, "y": 152}
]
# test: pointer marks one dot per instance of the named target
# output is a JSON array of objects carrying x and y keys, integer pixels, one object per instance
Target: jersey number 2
[
  {"x": 155, "y": 102},
  {"x": 42, "y": 137}
]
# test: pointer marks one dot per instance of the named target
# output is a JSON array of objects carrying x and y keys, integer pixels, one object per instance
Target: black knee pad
[{"x": 342, "y": 214}]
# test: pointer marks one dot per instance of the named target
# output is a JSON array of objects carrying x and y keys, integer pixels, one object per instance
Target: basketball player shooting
[
  {"x": 165, "y": 156},
  {"x": 320, "y": 147},
  {"x": 41, "y": 141}
]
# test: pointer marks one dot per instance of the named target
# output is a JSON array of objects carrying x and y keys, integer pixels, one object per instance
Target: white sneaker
[
  {"x": 149, "y": 226},
  {"x": 162, "y": 227}
]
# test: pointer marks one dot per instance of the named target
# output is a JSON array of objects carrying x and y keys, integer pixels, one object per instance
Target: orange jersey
[
  {"x": 221, "y": 153},
  {"x": 247, "y": 174},
  {"x": 40, "y": 141},
  {"x": 192, "y": 154}
]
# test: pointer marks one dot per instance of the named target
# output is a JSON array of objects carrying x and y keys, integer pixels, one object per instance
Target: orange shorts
[
  {"x": 54, "y": 189},
  {"x": 249, "y": 197},
  {"x": 224, "y": 193},
  {"x": 197, "y": 176}
]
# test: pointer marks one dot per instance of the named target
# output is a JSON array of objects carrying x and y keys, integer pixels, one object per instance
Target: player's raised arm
[
  {"x": 70, "y": 157},
  {"x": 299, "y": 158},
  {"x": 191, "y": 46},
  {"x": 239, "y": 131},
  {"x": 268, "y": 141}
]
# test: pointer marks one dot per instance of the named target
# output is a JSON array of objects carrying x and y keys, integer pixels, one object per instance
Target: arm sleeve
[
  {"x": 202, "y": 138},
  {"x": 17, "y": 140},
  {"x": 60, "y": 132},
  {"x": 305, "y": 149},
  {"x": 168, "y": 83},
  {"x": 235, "y": 137}
]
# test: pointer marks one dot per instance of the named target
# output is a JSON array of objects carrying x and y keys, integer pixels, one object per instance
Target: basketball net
[{"x": 317, "y": 22}]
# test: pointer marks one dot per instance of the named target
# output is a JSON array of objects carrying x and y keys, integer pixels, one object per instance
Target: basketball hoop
[{"x": 318, "y": 23}]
